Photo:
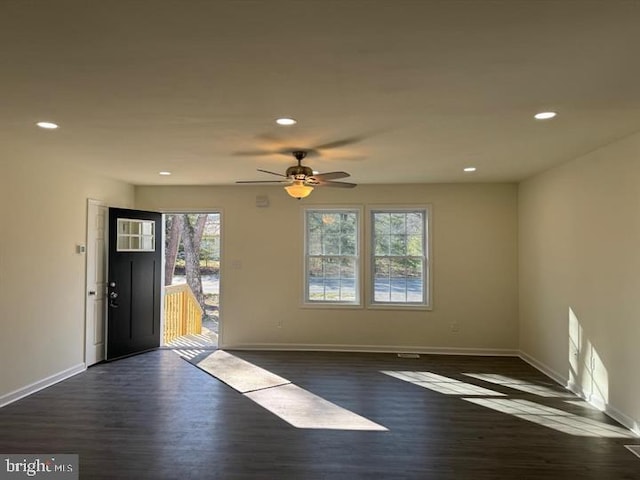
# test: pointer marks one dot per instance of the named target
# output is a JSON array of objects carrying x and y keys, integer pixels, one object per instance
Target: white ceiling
[{"x": 416, "y": 89}]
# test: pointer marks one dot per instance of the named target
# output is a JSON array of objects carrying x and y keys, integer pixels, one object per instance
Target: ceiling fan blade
[
  {"x": 330, "y": 176},
  {"x": 336, "y": 184},
  {"x": 272, "y": 173},
  {"x": 252, "y": 153},
  {"x": 339, "y": 143},
  {"x": 263, "y": 181}
]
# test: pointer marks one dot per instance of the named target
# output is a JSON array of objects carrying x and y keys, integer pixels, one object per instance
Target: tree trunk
[
  {"x": 201, "y": 221},
  {"x": 171, "y": 249},
  {"x": 191, "y": 238}
]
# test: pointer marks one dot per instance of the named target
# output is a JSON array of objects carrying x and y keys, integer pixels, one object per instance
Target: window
[
  {"x": 136, "y": 235},
  {"x": 332, "y": 258},
  {"x": 399, "y": 256}
]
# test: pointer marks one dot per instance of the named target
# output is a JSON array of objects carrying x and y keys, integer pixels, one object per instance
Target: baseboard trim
[
  {"x": 41, "y": 384},
  {"x": 549, "y": 372},
  {"x": 493, "y": 352},
  {"x": 632, "y": 424}
]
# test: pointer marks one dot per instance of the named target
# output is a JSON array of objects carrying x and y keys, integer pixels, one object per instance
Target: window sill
[
  {"x": 398, "y": 306},
  {"x": 327, "y": 305}
]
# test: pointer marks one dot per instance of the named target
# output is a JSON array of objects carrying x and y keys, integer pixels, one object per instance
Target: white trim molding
[
  {"x": 41, "y": 384},
  {"x": 491, "y": 352},
  {"x": 631, "y": 423}
]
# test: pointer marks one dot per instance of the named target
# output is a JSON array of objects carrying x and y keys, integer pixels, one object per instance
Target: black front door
[{"x": 134, "y": 282}]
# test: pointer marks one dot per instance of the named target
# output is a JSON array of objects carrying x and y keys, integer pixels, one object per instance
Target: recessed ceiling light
[
  {"x": 47, "y": 125},
  {"x": 544, "y": 115},
  {"x": 469, "y": 169},
  {"x": 286, "y": 121},
  {"x": 164, "y": 173}
]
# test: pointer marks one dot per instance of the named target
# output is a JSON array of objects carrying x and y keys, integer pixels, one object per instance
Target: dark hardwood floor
[{"x": 155, "y": 416}]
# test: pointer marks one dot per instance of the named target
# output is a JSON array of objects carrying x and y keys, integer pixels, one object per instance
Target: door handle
[
  {"x": 112, "y": 299},
  {"x": 92, "y": 292}
]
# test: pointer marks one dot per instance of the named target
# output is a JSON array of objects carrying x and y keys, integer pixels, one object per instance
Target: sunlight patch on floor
[
  {"x": 190, "y": 353},
  {"x": 194, "y": 340},
  {"x": 520, "y": 385},
  {"x": 441, "y": 384},
  {"x": 553, "y": 418},
  {"x": 303, "y": 409},
  {"x": 239, "y": 374},
  {"x": 293, "y": 404},
  {"x": 635, "y": 449},
  {"x": 583, "y": 404}
]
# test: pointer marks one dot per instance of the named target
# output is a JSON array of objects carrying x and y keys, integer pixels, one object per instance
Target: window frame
[
  {"x": 427, "y": 278},
  {"x": 358, "y": 303}
]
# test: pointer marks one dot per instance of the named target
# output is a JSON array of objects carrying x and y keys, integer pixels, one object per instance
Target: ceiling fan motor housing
[{"x": 299, "y": 172}]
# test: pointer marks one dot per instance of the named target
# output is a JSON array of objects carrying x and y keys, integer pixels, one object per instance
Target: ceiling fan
[{"x": 300, "y": 179}]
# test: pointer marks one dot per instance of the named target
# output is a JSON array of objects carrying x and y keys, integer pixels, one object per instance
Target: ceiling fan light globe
[{"x": 299, "y": 190}]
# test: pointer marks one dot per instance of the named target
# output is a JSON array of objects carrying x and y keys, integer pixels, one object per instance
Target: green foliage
[
  {"x": 398, "y": 234},
  {"x": 332, "y": 233}
]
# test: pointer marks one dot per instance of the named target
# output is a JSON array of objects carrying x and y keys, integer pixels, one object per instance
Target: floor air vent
[
  {"x": 635, "y": 449},
  {"x": 409, "y": 355}
]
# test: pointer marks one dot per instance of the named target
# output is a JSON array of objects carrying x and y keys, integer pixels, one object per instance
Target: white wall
[
  {"x": 474, "y": 268},
  {"x": 579, "y": 262},
  {"x": 42, "y": 278}
]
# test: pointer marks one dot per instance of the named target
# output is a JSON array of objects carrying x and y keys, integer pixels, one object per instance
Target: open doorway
[{"x": 191, "y": 320}]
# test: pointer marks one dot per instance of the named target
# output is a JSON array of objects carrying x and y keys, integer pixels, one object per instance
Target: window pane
[
  {"x": 331, "y": 244},
  {"x": 316, "y": 289},
  {"x": 398, "y": 290},
  {"x": 415, "y": 290},
  {"x": 148, "y": 227},
  {"x": 314, "y": 242},
  {"x": 415, "y": 222},
  {"x": 331, "y": 268},
  {"x": 398, "y": 223},
  {"x": 123, "y": 243},
  {"x": 382, "y": 284},
  {"x": 382, "y": 268},
  {"x": 382, "y": 245},
  {"x": 381, "y": 223},
  {"x": 348, "y": 268},
  {"x": 397, "y": 245},
  {"x": 123, "y": 226},
  {"x": 314, "y": 267},
  {"x": 147, "y": 243},
  {"x": 398, "y": 268},
  {"x": 414, "y": 267},
  {"x": 414, "y": 245},
  {"x": 348, "y": 244},
  {"x": 382, "y": 290},
  {"x": 314, "y": 220},
  {"x": 134, "y": 227},
  {"x": 348, "y": 222},
  {"x": 348, "y": 290}
]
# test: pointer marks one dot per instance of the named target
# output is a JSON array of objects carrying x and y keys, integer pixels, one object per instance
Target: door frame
[
  {"x": 208, "y": 210},
  {"x": 90, "y": 252}
]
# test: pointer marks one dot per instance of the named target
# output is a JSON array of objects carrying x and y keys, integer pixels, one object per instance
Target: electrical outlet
[{"x": 455, "y": 327}]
